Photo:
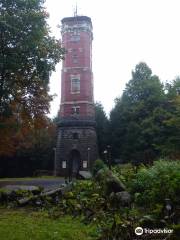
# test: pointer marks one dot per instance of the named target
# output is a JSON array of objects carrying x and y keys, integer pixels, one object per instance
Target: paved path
[{"x": 46, "y": 183}]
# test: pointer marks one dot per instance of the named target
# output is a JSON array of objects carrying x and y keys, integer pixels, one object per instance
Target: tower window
[
  {"x": 76, "y": 110},
  {"x": 75, "y": 136},
  {"x": 75, "y": 85},
  {"x": 74, "y": 58},
  {"x": 75, "y": 38}
]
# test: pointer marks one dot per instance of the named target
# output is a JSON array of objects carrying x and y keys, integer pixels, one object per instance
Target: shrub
[
  {"x": 98, "y": 164},
  {"x": 125, "y": 172},
  {"x": 154, "y": 184}
]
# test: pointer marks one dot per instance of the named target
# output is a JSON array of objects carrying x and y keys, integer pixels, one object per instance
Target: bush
[
  {"x": 125, "y": 172},
  {"x": 98, "y": 164},
  {"x": 155, "y": 184}
]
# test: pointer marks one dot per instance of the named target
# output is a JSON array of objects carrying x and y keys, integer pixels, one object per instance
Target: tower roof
[{"x": 76, "y": 18}]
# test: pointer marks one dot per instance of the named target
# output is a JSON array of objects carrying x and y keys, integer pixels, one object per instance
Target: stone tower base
[{"x": 76, "y": 147}]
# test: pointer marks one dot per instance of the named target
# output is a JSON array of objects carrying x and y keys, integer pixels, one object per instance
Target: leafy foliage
[
  {"x": 171, "y": 142},
  {"x": 113, "y": 216},
  {"x": 148, "y": 208},
  {"x": 98, "y": 164},
  {"x": 126, "y": 173},
  {"x": 155, "y": 184},
  {"x": 102, "y": 128},
  {"x": 28, "y": 54},
  {"x": 144, "y": 123},
  {"x": 32, "y": 154}
]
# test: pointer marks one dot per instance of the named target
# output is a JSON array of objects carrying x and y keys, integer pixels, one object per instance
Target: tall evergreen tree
[
  {"x": 170, "y": 146},
  {"x": 135, "y": 126},
  {"x": 102, "y": 126}
]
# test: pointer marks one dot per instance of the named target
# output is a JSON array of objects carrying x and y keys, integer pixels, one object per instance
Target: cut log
[
  {"x": 24, "y": 201},
  {"x": 52, "y": 193}
]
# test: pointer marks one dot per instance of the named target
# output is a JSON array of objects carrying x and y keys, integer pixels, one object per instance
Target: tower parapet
[{"x": 82, "y": 23}]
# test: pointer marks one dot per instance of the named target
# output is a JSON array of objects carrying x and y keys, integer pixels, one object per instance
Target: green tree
[
  {"x": 28, "y": 54},
  {"x": 33, "y": 153},
  {"x": 148, "y": 183},
  {"x": 170, "y": 146},
  {"x": 135, "y": 120},
  {"x": 102, "y": 127}
]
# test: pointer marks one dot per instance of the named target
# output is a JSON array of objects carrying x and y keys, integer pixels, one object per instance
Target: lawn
[{"x": 23, "y": 224}]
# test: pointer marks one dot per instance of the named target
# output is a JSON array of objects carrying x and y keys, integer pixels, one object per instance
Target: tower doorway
[{"x": 74, "y": 163}]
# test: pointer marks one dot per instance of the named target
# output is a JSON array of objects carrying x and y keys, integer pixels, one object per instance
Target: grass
[
  {"x": 23, "y": 224},
  {"x": 29, "y": 178}
]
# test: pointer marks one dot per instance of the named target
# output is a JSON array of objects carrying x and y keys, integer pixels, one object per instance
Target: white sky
[{"x": 125, "y": 33}]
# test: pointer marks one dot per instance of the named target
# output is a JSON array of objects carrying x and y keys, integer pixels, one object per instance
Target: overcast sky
[{"x": 125, "y": 33}]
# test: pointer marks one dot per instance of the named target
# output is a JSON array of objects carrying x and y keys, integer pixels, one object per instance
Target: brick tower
[{"x": 77, "y": 142}]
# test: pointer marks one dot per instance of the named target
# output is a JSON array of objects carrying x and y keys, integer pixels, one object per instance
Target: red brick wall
[{"x": 77, "y": 62}]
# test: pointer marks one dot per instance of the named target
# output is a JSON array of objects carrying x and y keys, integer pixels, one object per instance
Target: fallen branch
[{"x": 27, "y": 200}]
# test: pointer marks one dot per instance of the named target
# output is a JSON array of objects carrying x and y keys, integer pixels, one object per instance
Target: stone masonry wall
[{"x": 86, "y": 139}]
